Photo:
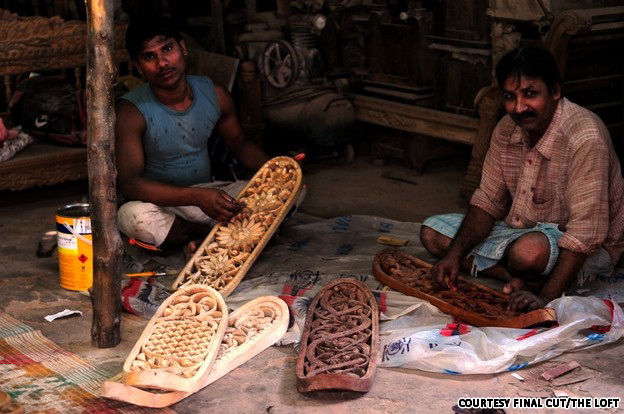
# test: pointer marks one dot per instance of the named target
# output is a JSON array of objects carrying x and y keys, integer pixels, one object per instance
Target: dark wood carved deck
[
  {"x": 472, "y": 302},
  {"x": 340, "y": 339}
]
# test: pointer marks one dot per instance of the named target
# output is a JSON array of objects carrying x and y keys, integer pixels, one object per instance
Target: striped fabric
[
  {"x": 571, "y": 178},
  {"x": 45, "y": 378}
]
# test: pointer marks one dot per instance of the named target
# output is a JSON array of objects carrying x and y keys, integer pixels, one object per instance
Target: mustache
[
  {"x": 524, "y": 115},
  {"x": 165, "y": 70}
]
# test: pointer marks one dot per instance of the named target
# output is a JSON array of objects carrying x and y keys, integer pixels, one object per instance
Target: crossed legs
[{"x": 521, "y": 266}]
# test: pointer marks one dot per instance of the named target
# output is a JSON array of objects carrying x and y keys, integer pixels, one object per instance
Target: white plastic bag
[{"x": 426, "y": 339}]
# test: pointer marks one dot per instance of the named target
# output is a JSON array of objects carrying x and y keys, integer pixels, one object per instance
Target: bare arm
[
  {"x": 130, "y": 160},
  {"x": 231, "y": 131},
  {"x": 474, "y": 229},
  {"x": 568, "y": 265}
]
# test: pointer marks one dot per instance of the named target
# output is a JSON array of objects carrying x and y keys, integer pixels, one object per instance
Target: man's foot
[
  {"x": 514, "y": 285},
  {"x": 47, "y": 244},
  {"x": 190, "y": 248}
]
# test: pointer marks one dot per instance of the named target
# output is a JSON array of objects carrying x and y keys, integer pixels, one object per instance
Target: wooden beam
[
  {"x": 218, "y": 25},
  {"x": 105, "y": 293},
  {"x": 411, "y": 118}
]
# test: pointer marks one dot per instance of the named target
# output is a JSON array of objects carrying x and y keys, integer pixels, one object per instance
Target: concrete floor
[{"x": 29, "y": 290}]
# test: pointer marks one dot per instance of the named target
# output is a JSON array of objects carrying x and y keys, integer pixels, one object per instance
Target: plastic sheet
[
  {"x": 428, "y": 340},
  {"x": 414, "y": 334}
]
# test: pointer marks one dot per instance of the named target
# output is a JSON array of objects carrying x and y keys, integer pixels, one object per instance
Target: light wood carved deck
[
  {"x": 229, "y": 250},
  {"x": 252, "y": 328}
]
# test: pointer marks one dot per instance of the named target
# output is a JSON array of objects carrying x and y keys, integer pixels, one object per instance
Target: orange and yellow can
[{"x": 75, "y": 246}]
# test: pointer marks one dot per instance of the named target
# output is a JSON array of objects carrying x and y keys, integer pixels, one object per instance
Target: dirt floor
[{"x": 29, "y": 290}]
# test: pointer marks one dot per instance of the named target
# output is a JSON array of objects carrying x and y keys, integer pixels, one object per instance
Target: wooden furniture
[
  {"x": 462, "y": 46},
  {"x": 587, "y": 45},
  {"x": 399, "y": 96},
  {"x": 340, "y": 339},
  {"x": 33, "y": 44},
  {"x": 489, "y": 104},
  {"x": 398, "y": 53},
  {"x": 470, "y": 302},
  {"x": 229, "y": 250},
  {"x": 252, "y": 328}
]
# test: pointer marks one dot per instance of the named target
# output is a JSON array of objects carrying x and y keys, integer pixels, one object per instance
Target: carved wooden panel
[
  {"x": 473, "y": 303},
  {"x": 177, "y": 348},
  {"x": 47, "y": 43},
  {"x": 252, "y": 328},
  {"x": 340, "y": 339},
  {"x": 230, "y": 249}
]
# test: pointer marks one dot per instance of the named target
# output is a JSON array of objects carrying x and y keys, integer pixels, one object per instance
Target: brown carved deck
[
  {"x": 472, "y": 302},
  {"x": 340, "y": 339}
]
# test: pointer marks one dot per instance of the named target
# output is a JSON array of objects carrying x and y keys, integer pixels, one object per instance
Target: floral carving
[{"x": 230, "y": 248}]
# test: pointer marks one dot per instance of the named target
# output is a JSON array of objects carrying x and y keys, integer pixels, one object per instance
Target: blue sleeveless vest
[{"x": 175, "y": 143}]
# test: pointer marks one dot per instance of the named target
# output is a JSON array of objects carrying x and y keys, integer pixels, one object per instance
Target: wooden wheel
[{"x": 280, "y": 65}]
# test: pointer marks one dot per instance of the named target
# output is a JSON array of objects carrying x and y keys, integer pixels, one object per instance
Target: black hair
[
  {"x": 531, "y": 61},
  {"x": 147, "y": 28}
]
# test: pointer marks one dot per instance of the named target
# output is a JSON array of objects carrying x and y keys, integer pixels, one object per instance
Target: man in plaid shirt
[{"x": 550, "y": 206}]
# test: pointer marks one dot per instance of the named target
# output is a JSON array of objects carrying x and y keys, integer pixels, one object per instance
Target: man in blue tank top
[{"x": 161, "y": 143}]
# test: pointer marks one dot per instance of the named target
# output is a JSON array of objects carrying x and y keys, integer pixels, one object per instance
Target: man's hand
[
  {"x": 445, "y": 272},
  {"x": 218, "y": 204},
  {"x": 523, "y": 300}
]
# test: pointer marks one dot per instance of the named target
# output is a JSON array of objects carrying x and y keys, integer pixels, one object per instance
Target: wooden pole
[
  {"x": 218, "y": 24},
  {"x": 105, "y": 294}
]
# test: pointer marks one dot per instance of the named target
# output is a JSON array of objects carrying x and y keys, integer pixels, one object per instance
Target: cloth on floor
[
  {"x": 9, "y": 148},
  {"x": 45, "y": 378},
  {"x": 310, "y": 252},
  {"x": 604, "y": 287},
  {"x": 143, "y": 296},
  {"x": 307, "y": 252}
]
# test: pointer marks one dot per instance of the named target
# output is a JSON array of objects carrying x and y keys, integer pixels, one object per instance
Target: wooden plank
[
  {"x": 559, "y": 370},
  {"x": 43, "y": 164},
  {"x": 438, "y": 124}
]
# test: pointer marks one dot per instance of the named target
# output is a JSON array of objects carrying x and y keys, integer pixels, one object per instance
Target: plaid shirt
[{"x": 571, "y": 177}]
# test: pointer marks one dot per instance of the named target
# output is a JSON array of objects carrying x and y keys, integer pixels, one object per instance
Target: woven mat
[{"x": 45, "y": 378}]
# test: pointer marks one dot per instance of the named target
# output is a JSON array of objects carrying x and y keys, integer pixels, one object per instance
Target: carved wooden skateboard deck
[
  {"x": 252, "y": 328},
  {"x": 340, "y": 339},
  {"x": 230, "y": 249},
  {"x": 473, "y": 303},
  {"x": 181, "y": 341}
]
